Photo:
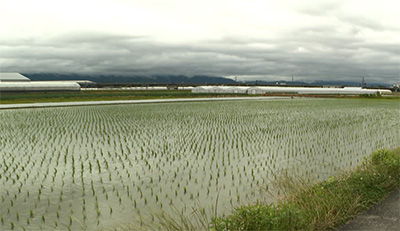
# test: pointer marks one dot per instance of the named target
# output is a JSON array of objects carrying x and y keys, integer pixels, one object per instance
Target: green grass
[
  {"x": 13, "y": 98},
  {"x": 320, "y": 206},
  {"x": 102, "y": 95}
]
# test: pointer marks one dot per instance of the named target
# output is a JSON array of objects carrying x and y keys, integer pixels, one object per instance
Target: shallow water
[{"x": 100, "y": 166}]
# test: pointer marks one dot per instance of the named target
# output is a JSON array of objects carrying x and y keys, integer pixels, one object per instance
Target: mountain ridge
[{"x": 182, "y": 79}]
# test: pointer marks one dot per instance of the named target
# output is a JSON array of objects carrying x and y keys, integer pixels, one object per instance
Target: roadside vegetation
[
  {"x": 301, "y": 205},
  {"x": 44, "y": 97},
  {"x": 102, "y": 95},
  {"x": 324, "y": 205}
]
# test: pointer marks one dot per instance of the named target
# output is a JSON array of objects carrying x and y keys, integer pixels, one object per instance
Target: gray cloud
[{"x": 339, "y": 49}]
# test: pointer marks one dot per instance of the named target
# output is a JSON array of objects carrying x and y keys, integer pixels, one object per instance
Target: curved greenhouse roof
[
  {"x": 220, "y": 89},
  {"x": 317, "y": 90},
  {"x": 13, "y": 77},
  {"x": 38, "y": 86},
  {"x": 292, "y": 90}
]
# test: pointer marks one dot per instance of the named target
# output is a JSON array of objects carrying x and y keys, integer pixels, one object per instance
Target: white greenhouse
[
  {"x": 221, "y": 89},
  {"x": 289, "y": 90},
  {"x": 38, "y": 86},
  {"x": 317, "y": 90},
  {"x": 202, "y": 89},
  {"x": 13, "y": 77},
  {"x": 185, "y": 88}
]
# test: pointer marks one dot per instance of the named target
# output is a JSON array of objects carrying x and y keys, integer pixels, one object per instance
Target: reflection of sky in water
[{"x": 99, "y": 167}]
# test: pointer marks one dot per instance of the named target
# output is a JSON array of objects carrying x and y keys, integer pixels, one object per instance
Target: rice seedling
[{"x": 56, "y": 162}]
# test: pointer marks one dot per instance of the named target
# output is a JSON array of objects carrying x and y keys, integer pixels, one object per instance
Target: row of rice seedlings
[{"x": 90, "y": 166}]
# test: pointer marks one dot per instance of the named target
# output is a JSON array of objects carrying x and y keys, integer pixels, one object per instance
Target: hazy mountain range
[{"x": 179, "y": 79}]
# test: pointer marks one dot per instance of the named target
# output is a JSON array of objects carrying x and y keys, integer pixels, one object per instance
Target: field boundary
[
  {"x": 141, "y": 101},
  {"x": 322, "y": 206}
]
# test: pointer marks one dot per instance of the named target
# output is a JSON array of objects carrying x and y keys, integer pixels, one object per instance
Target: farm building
[
  {"x": 15, "y": 82},
  {"x": 317, "y": 90},
  {"x": 13, "y": 77},
  {"x": 202, "y": 89},
  {"x": 38, "y": 86},
  {"x": 289, "y": 90},
  {"x": 220, "y": 89}
]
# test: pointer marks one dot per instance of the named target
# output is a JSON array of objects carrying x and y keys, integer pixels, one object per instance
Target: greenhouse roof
[{"x": 11, "y": 77}]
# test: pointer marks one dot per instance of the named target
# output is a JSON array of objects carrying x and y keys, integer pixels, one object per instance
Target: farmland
[
  {"x": 100, "y": 166},
  {"x": 101, "y": 95}
]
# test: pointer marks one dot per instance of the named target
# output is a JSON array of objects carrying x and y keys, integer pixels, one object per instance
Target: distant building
[
  {"x": 13, "y": 77},
  {"x": 396, "y": 87},
  {"x": 259, "y": 90},
  {"x": 15, "y": 82},
  {"x": 34, "y": 86}
]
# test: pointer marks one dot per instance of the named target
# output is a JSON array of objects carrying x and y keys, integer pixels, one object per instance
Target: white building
[
  {"x": 13, "y": 77},
  {"x": 38, "y": 86},
  {"x": 15, "y": 82},
  {"x": 259, "y": 90},
  {"x": 221, "y": 89},
  {"x": 317, "y": 90}
]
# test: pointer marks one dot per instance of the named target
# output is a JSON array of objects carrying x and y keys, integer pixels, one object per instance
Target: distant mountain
[
  {"x": 182, "y": 79},
  {"x": 155, "y": 79},
  {"x": 210, "y": 80}
]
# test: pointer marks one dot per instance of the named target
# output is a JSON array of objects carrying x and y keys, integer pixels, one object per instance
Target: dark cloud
[
  {"x": 309, "y": 53},
  {"x": 313, "y": 40}
]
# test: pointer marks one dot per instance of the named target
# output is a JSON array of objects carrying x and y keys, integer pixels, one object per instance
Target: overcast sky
[{"x": 250, "y": 39}]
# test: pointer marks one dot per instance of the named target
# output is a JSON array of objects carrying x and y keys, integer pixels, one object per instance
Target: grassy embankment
[
  {"x": 102, "y": 95},
  {"x": 303, "y": 206},
  {"x": 13, "y": 98},
  {"x": 324, "y": 205}
]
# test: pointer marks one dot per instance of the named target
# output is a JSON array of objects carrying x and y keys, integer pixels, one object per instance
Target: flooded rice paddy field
[{"x": 96, "y": 167}]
